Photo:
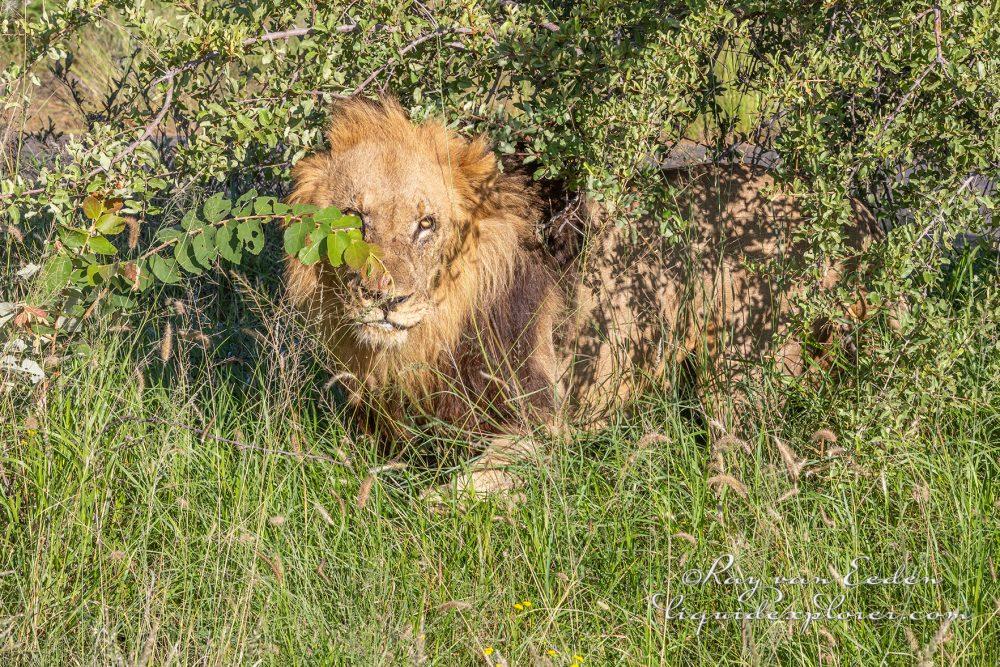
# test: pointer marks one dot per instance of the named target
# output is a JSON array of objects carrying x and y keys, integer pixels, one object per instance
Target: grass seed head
[{"x": 167, "y": 343}]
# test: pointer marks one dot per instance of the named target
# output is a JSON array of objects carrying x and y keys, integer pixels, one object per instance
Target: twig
[
  {"x": 26, "y": 193},
  {"x": 965, "y": 184},
  {"x": 249, "y": 41},
  {"x": 939, "y": 61},
  {"x": 406, "y": 49},
  {"x": 168, "y": 99},
  {"x": 146, "y": 132},
  {"x": 171, "y": 74}
]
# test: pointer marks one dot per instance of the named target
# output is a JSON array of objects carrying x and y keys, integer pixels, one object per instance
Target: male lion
[{"x": 474, "y": 323}]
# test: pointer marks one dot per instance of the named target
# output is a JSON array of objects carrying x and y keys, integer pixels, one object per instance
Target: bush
[{"x": 894, "y": 103}]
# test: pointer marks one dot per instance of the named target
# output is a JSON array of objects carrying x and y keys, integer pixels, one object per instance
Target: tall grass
[{"x": 212, "y": 509}]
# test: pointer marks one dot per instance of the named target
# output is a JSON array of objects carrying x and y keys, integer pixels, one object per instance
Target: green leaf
[
  {"x": 165, "y": 269},
  {"x": 55, "y": 273},
  {"x": 121, "y": 302},
  {"x": 72, "y": 238},
  {"x": 310, "y": 253},
  {"x": 109, "y": 223},
  {"x": 251, "y": 233},
  {"x": 101, "y": 246},
  {"x": 183, "y": 253},
  {"x": 169, "y": 234},
  {"x": 92, "y": 207},
  {"x": 264, "y": 206},
  {"x": 301, "y": 209},
  {"x": 98, "y": 274},
  {"x": 216, "y": 207},
  {"x": 329, "y": 215},
  {"x": 190, "y": 221},
  {"x": 356, "y": 255},
  {"x": 349, "y": 221},
  {"x": 245, "y": 198},
  {"x": 204, "y": 247},
  {"x": 228, "y": 244},
  {"x": 336, "y": 244},
  {"x": 243, "y": 206},
  {"x": 295, "y": 237},
  {"x": 145, "y": 275}
]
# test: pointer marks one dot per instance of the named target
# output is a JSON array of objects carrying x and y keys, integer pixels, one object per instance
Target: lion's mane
[{"x": 496, "y": 296}]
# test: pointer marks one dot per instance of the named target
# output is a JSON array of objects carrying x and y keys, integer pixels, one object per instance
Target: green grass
[{"x": 161, "y": 514}]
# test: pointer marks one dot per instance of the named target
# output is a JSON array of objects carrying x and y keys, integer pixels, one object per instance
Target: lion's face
[
  {"x": 416, "y": 189},
  {"x": 408, "y": 209}
]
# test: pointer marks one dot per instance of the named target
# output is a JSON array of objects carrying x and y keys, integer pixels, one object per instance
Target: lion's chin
[{"x": 381, "y": 334}]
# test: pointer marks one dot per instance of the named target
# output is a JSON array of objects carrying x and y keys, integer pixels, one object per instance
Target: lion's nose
[
  {"x": 393, "y": 301},
  {"x": 383, "y": 299}
]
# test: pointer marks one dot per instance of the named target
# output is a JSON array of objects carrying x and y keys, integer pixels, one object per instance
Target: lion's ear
[{"x": 474, "y": 164}]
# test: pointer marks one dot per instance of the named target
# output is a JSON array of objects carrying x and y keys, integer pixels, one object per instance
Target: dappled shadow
[{"x": 717, "y": 293}]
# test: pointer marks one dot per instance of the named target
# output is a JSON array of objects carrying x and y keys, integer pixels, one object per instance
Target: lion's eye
[{"x": 426, "y": 224}]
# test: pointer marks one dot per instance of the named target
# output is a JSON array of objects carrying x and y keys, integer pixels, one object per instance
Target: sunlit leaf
[
  {"x": 183, "y": 252},
  {"x": 109, "y": 223},
  {"x": 93, "y": 207},
  {"x": 252, "y": 234},
  {"x": 216, "y": 207},
  {"x": 101, "y": 246},
  {"x": 165, "y": 269},
  {"x": 228, "y": 244},
  {"x": 356, "y": 255},
  {"x": 295, "y": 237}
]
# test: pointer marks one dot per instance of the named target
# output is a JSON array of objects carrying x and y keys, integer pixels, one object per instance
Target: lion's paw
[{"x": 475, "y": 485}]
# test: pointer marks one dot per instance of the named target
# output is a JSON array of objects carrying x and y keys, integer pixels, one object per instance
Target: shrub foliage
[{"x": 895, "y": 103}]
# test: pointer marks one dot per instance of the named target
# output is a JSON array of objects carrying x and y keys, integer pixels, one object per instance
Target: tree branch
[
  {"x": 146, "y": 132},
  {"x": 249, "y": 41},
  {"x": 169, "y": 76},
  {"x": 406, "y": 49}
]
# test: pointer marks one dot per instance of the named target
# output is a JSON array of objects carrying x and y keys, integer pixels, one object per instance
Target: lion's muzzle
[{"x": 385, "y": 319}]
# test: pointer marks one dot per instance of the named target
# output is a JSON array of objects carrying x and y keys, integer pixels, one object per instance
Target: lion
[{"x": 475, "y": 323}]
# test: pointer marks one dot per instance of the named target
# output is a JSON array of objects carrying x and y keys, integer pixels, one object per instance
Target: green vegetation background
[{"x": 179, "y": 487}]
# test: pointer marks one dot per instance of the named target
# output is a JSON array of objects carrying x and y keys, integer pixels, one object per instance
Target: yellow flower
[
  {"x": 552, "y": 652},
  {"x": 527, "y": 604},
  {"x": 488, "y": 650},
  {"x": 518, "y": 606},
  {"x": 578, "y": 658}
]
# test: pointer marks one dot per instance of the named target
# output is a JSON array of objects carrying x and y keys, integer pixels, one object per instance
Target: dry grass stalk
[
  {"x": 688, "y": 537},
  {"x": 730, "y": 442},
  {"x": 133, "y": 225},
  {"x": 277, "y": 569},
  {"x": 167, "y": 343},
  {"x": 792, "y": 463},
  {"x": 827, "y": 520},
  {"x": 365, "y": 491},
  {"x": 926, "y": 656},
  {"x": 736, "y": 485},
  {"x": 790, "y": 493},
  {"x": 323, "y": 514}
]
